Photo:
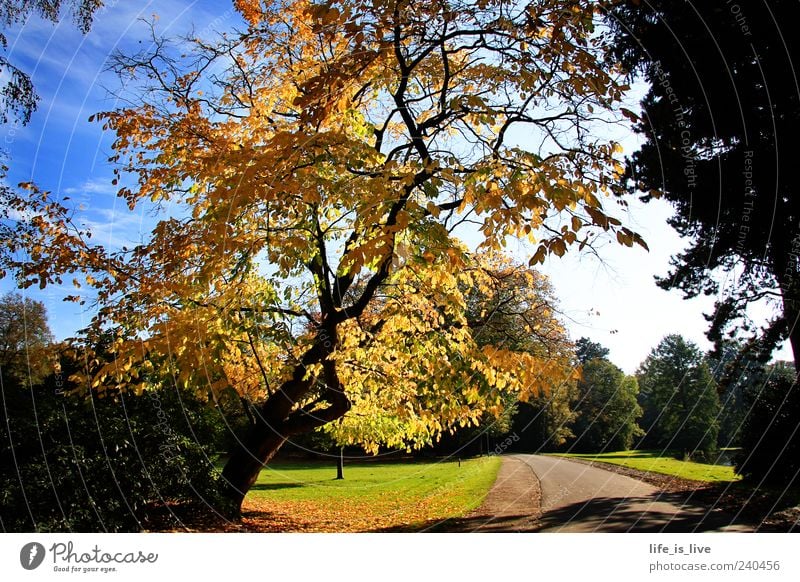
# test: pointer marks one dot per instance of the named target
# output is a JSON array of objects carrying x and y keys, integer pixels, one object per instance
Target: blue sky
[
  {"x": 612, "y": 300},
  {"x": 60, "y": 149}
]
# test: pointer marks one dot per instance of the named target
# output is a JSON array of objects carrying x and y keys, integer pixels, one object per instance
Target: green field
[
  {"x": 373, "y": 496},
  {"x": 661, "y": 462}
]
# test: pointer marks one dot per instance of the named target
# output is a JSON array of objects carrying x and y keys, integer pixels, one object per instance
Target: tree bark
[
  {"x": 265, "y": 439},
  {"x": 788, "y": 278},
  {"x": 245, "y": 463},
  {"x": 791, "y": 314},
  {"x": 280, "y": 417}
]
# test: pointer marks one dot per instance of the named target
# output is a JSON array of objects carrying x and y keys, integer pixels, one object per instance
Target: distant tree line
[{"x": 697, "y": 406}]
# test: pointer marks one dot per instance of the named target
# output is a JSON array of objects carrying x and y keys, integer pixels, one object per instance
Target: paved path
[
  {"x": 583, "y": 498},
  {"x": 512, "y": 504}
]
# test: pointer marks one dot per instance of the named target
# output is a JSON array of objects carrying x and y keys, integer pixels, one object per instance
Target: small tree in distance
[
  {"x": 679, "y": 398},
  {"x": 586, "y": 350},
  {"x": 24, "y": 340},
  {"x": 607, "y": 408}
]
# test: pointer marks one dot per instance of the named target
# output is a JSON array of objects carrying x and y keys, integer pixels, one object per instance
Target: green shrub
[{"x": 102, "y": 464}]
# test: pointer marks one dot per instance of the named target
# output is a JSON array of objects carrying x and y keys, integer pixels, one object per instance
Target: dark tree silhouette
[
  {"x": 587, "y": 350},
  {"x": 720, "y": 124}
]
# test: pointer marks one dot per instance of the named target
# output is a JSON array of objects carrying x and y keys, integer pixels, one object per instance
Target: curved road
[{"x": 582, "y": 498}]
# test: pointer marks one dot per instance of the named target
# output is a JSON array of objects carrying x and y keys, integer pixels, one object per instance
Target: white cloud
[
  {"x": 19, "y": 215},
  {"x": 115, "y": 228},
  {"x": 94, "y": 186}
]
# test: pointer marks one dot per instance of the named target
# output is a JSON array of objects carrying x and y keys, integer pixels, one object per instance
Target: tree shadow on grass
[
  {"x": 274, "y": 486},
  {"x": 630, "y": 455}
]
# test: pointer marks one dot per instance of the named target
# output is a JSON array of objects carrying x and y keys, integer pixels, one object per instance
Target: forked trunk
[{"x": 282, "y": 417}]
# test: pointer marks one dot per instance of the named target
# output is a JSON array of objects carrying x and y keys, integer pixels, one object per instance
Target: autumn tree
[
  {"x": 509, "y": 312},
  {"x": 516, "y": 310},
  {"x": 18, "y": 98},
  {"x": 321, "y": 162},
  {"x": 679, "y": 398},
  {"x": 24, "y": 340},
  {"x": 519, "y": 312},
  {"x": 719, "y": 127}
]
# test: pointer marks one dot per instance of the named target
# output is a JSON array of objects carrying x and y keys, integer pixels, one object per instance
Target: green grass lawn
[
  {"x": 372, "y": 496},
  {"x": 655, "y": 462}
]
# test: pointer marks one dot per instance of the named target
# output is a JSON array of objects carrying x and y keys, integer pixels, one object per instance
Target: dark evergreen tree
[
  {"x": 587, "y": 350},
  {"x": 720, "y": 124},
  {"x": 679, "y": 399},
  {"x": 770, "y": 437},
  {"x": 736, "y": 372}
]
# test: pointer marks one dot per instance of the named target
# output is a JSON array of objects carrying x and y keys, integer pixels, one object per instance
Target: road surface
[{"x": 582, "y": 498}]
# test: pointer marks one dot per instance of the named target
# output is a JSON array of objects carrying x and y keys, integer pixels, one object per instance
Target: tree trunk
[
  {"x": 789, "y": 282},
  {"x": 792, "y": 317},
  {"x": 340, "y": 464},
  {"x": 280, "y": 417},
  {"x": 246, "y": 462}
]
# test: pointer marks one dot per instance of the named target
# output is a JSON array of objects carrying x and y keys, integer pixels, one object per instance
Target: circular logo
[{"x": 31, "y": 555}]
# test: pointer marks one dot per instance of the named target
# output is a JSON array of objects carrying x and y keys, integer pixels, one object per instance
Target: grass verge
[
  {"x": 373, "y": 496},
  {"x": 656, "y": 462}
]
